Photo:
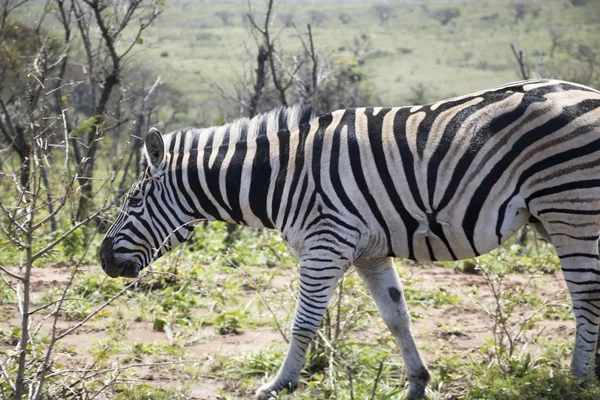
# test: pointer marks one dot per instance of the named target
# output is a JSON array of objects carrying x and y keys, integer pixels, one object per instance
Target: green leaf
[
  {"x": 159, "y": 325},
  {"x": 86, "y": 126}
]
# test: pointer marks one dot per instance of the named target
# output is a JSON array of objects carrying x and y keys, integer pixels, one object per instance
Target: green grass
[{"x": 208, "y": 298}]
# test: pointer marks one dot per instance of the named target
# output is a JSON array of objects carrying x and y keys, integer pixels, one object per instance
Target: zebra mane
[{"x": 278, "y": 119}]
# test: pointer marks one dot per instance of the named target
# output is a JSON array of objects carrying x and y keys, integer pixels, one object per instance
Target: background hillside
[
  {"x": 408, "y": 59},
  {"x": 421, "y": 51}
]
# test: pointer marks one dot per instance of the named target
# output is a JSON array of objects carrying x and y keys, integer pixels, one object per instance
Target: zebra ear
[{"x": 154, "y": 148}]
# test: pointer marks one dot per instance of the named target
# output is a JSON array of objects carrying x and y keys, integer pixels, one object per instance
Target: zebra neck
[
  {"x": 239, "y": 182},
  {"x": 237, "y": 172},
  {"x": 227, "y": 177}
]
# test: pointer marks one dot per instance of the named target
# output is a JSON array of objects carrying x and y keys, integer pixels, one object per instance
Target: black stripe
[
  {"x": 588, "y": 320},
  {"x": 317, "y": 152},
  {"x": 588, "y": 238},
  {"x": 299, "y": 208},
  {"x": 590, "y": 291},
  {"x": 568, "y": 211},
  {"x": 334, "y": 172},
  {"x": 574, "y": 225},
  {"x": 430, "y": 249},
  {"x": 233, "y": 175},
  {"x": 321, "y": 269},
  {"x": 171, "y": 196},
  {"x": 586, "y": 310},
  {"x": 454, "y": 125},
  {"x": 320, "y": 289},
  {"x": 279, "y": 184},
  {"x": 193, "y": 173},
  {"x": 153, "y": 209},
  {"x": 406, "y": 155},
  {"x": 212, "y": 173},
  {"x": 298, "y": 167},
  {"x": 565, "y": 187},
  {"x": 545, "y": 164},
  {"x": 260, "y": 179},
  {"x": 582, "y": 270},
  {"x": 309, "y": 207},
  {"x": 583, "y": 255},
  {"x": 480, "y": 139},
  {"x": 354, "y": 153},
  {"x": 336, "y": 220}
]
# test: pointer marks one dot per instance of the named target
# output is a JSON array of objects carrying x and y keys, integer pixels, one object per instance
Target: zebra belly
[{"x": 444, "y": 239}]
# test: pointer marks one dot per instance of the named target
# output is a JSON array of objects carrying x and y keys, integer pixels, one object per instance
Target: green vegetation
[
  {"x": 413, "y": 58},
  {"x": 183, "y": 313},
  {"x": 424, "y": 52}
]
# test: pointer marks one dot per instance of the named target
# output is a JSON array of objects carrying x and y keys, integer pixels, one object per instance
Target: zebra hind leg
[
  {"x": 319, "y": 274},
  {"x": 381, "y": 278},
  {"x": 579, "y": 260}
]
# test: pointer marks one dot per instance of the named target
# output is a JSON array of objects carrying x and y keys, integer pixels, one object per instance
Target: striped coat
[{"x": 445, "y": 181}]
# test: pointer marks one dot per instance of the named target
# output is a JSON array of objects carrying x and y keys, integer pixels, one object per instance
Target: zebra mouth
[{"x": 130, "y": 270}]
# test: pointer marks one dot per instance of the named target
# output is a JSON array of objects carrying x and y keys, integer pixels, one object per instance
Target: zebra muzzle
[{"x": 113, "y": 267}]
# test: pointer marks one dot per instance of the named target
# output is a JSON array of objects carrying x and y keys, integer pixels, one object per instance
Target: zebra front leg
[
  {"x": 381, "y": 278},
  {"x": 318, "y": 279}
]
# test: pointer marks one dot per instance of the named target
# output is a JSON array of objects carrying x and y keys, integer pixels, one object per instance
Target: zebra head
[{"x": 151, "y": 221}]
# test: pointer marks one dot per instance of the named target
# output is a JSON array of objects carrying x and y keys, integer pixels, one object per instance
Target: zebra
[{"x": 444, "y": 181}]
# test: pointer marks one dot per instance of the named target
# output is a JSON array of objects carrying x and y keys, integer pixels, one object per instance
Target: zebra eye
[{"x": 135, "y": 201}]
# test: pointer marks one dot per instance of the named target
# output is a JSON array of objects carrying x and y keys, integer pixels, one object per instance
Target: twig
[
  {"x": 100, "y": 308},
  {"x": 264, "y": 300},
  {"x": 12, "y": 274},
  {"x": 119, "y": 368},
  {"x": 377, "y": 380},
  {"x": 349, "y": 370},
  {"x": 522, "y": 66}
]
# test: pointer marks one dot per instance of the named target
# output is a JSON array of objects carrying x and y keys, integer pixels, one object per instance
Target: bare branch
[
  {"x": 12, "y": 274},
  {"x": 519, "y": 58}
]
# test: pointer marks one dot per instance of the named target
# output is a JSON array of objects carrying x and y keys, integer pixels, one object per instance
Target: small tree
[
  {"x": 361, "y": 47},
  {"x": 225, "y": 17},
  {"x": 383, "y": 12},
  {"x": 445, "y": 15},
  {"x": 287, "y": 19},
  {"x": 578, "y": 3},
  {"x": 522, "y": 8},
  {"x": 317, "y": 17},
  {"x": 345, "y": 18},
  {"x": 557, "y": 34}
]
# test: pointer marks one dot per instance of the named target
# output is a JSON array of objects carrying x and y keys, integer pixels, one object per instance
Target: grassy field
[
  {"x": 412, "y": 58},
  {"x": 191, "y": 48},
  {"x": 208, "y": 322}
]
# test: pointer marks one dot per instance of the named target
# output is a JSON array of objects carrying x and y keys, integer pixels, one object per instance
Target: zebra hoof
[
  {"x": 270, "y": 390},
  {"x": 417, "y": 385},
  {"x": 266, "y": 395}
]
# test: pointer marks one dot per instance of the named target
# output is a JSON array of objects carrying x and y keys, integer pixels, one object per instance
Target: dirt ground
[{"x": 460, "y": 327}]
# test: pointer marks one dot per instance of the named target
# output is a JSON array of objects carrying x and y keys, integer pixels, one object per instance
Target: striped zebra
[{"x": 444, "y": 181}]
